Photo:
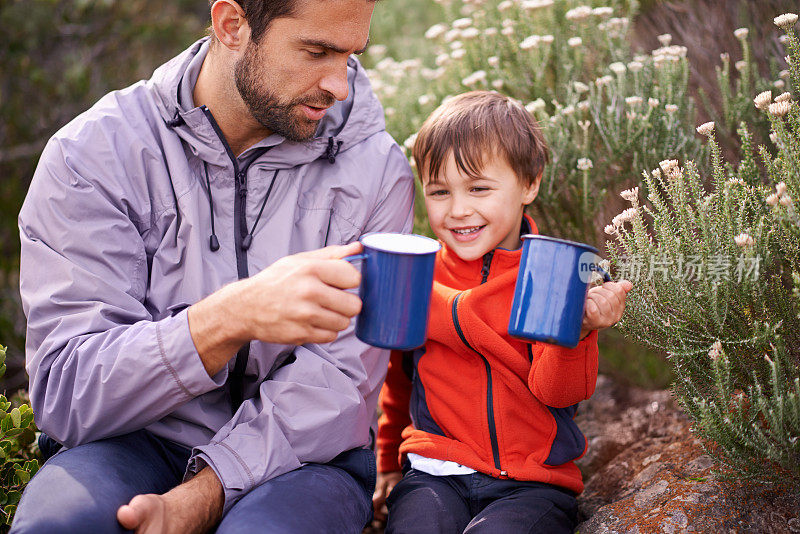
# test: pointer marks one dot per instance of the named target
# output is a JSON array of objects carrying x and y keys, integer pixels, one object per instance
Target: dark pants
[
  {"x": 421, "y": 503},
  {"x": 80, "y": 489}
]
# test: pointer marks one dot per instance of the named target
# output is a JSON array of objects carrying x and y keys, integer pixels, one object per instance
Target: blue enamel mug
[
  {"x": 550, "y": 294},
  {"x": 395, "y": 291}
]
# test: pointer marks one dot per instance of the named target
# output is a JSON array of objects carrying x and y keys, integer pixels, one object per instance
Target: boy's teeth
[{"x": 464, "y": 231}]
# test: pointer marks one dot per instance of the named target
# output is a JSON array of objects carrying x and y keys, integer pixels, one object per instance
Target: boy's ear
[{"x": 531, "y": 190}]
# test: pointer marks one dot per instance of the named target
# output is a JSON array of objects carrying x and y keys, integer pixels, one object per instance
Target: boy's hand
[
  {"x": 384, "y": 486},
  {"x": 604, "y": 306}
]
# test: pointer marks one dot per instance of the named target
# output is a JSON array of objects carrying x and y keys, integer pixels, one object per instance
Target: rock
[{"x": 648, "y": 496}]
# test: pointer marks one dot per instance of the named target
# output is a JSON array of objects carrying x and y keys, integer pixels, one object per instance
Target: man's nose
[{"x": 335, "y": 81}]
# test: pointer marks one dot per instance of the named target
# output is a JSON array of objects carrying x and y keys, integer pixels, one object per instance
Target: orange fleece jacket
[{"x": 479, "y": 397}]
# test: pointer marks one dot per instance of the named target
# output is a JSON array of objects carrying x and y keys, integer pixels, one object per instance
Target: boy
[{"x": 489, "y": 439}]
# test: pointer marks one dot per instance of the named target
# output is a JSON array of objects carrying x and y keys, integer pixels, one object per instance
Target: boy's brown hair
[{"x": 475, "y": 125}]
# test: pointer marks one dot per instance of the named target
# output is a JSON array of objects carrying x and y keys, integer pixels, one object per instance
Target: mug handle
[
  {"x": 355, "y": 257},
  {"x": 606, "y": 276}
]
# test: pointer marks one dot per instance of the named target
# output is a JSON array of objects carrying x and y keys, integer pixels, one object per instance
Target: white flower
[
  {"x": 505, "y": 5},
  {"x": 784, "y": 39},
  {"x": 442, "y": 59},
  {"x": 665, "y": 39},
  {"x": 779, "y": 84},
  {"x": 626, "y": 216},
  {"x": 490, "y": 31},
  {"x": 584, "y": 164},
  {"x": 631, "y": 195},
  {"x": 785, "y": 21},
  {"x": 455, "y": 45},
  {"x": 452, "y": 35},
  {"x": 579, "y": 13},
  {"x": 617, "y": 68},
  {"x": 740, "y": 65},
  {"x": 474, "y": 78},
  {"x": 493, "y": 61},
  {"x": 744, "y": 240},
  {"x": 548, "y": 39},
  {"x": 635, "y": 66},
  {"x": 603, "y": 11},
  {"x": 569, "y": 110},
  {"x": 603, "y": 80},
  {"x": 574, "y": 42},
  {"x": 536, "y": 105},
  {"x": 458, "y": 53},
  {"x": 781, "y": 188},
  {"x": 530, "y": 5},
  {"x": 773, "y": 136},
  {"x": 583, "y": 105},
  {"x": 610, "y": 229},
  {"x": 715, "y": 351},
  {"x": 773, "y": 199},
  {"x": 377, "y": 50},
  {"x": 632, "y": 115},
  {"x": 707, "y": 128},
  {"x": 497, "y": 84},
  {"x": 580, "y": 87},
  {"x": 461, "y": 24},
  {"x": 584, "y": 124},
  {"x": 653, "y": 102},
  {"x": 779, "y": 109},
  {"x": 508, "y": 30},
  {"x": 424, "y": 100},
  {"x": 470, "y": 33},
  {"x": 741, "y": 33},
  {"x": 634, "y": 100},
  {"x": 671, "y": 108},
  {"x": 784, "y": 74},
  {"x": 409, "y": 143},
  {"x": 506, "y": 23},
  {"x": 435, "y": 31},
  {"x": 668, "y": 165},
  {"x": 786, "y": 201},
  {"x": 529, "y": 42},
  {"x": 763, "y": 100},
  {"x": 783, "y": 97}
]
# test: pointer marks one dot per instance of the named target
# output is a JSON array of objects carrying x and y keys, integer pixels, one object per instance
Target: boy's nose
[{"x": 460, "y": 209}]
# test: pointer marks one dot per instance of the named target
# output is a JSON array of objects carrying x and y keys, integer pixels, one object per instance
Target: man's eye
[{"x": 316, "y": 54}]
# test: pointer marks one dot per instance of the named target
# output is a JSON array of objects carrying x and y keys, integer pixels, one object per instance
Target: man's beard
[{"x": 266, "y": 107}]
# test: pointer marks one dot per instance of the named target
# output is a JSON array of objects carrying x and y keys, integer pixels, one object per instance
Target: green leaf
[
  {"x": 10, "y": 510},
  {"x": 6, "y": 424},
  {"x": 16, "y": 417},
  {"x": 14, "y": 497},
  {"x": 14, "y": 432},
  {"x": 23, "y": 476}
]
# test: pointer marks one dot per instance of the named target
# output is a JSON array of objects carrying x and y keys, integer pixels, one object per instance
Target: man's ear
[
  {"x": 531, "y": 190},
  {"x": 230, "y": 26}
]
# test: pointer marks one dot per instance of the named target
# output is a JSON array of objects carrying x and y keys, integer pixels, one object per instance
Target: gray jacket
[{"x": 115, "y": 235}]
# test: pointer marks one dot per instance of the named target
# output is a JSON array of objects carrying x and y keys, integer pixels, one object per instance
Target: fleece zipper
[{"x": 487, "y": 262}]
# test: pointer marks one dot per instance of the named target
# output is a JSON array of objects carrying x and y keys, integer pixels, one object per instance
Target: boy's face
[{"x": 474, "y": 216}]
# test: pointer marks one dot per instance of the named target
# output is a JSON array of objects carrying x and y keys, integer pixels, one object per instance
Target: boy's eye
[
  {"x": 479, "y": 189},
  {"x": 437, "y": 193}
]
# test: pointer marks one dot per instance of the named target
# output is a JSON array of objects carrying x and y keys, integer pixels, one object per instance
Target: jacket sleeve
[
  {"x": 98, "y": 362},
  {"x": 394, "y": 402},
  {"x": 322, "y": 404},
  {"x": 560, "y": 377}
]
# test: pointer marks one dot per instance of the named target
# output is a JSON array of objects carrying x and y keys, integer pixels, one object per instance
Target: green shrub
[
  {"x": 717, "y": 285},
  {"x": 18, "y": 449}
]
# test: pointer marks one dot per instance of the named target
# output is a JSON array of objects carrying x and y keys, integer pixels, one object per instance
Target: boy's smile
[{"x": 474, "y": 215}]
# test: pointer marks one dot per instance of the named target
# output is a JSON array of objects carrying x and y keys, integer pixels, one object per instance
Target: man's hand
[
  {"x": 604, "y": 306},
  {"x": 298, "y": 299},
  {"x": 193, "y": 507},
  {"x": 383, "y": 487}
]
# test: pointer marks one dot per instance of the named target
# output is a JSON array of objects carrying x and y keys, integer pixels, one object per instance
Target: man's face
[{"x": 298, "y": 68}]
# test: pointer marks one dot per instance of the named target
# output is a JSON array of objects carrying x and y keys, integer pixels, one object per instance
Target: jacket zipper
[
  {"x": 240, "y": 230},
  {"x": 489, "y": 400}
]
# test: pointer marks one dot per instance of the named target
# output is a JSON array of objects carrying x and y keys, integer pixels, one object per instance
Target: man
[{"x": 178, "y": 327}]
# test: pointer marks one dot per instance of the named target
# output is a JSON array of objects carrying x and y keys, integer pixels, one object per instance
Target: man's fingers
[
  {"x": 333, "y": 252},
  {"x": 329, "y": 320},
  {"x": 336, "y": 273},
  {"x": 128, "y": 517},
  {"x": 338, "y": 301}
]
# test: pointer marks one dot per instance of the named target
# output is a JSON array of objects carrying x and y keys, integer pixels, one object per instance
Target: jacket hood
[{"x": 345, "y": 124}]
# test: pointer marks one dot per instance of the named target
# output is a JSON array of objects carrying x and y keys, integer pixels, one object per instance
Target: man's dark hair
[{"x": 260, "y": 13}]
